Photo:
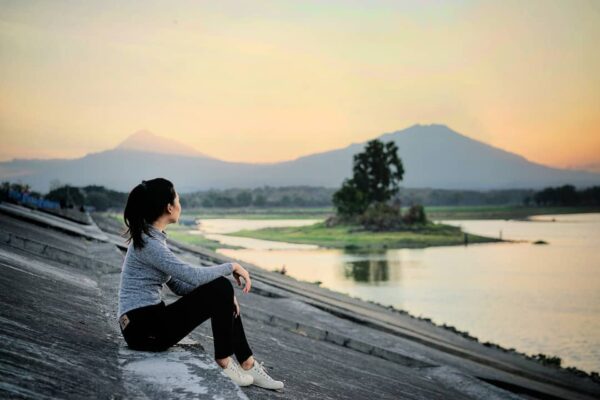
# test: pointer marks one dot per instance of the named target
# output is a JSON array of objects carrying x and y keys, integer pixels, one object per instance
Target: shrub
[
  {"x": 380, "y": 216},
  {"x": 415, "y": 215}
]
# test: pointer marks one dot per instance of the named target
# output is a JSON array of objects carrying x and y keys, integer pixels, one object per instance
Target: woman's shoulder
[
  {"x": 148, "y": 243},
  {"x": 152, "y": 248}
]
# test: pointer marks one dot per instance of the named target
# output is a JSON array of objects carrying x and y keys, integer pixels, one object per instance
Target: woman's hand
[
  {"x": 236, "y": 313},
  {"x": 239, "y": 271}
]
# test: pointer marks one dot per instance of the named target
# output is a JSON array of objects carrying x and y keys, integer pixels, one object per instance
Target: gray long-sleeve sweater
[{"x": 146, "y": 270}]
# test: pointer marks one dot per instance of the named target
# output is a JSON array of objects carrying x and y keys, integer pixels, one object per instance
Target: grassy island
[{"x": 353, "y": 236}]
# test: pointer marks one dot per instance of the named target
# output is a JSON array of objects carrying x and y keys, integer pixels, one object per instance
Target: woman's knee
[{"x": 223, "y": 285}]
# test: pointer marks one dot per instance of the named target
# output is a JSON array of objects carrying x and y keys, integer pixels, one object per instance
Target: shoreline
[{"x": 544, "y": 359}]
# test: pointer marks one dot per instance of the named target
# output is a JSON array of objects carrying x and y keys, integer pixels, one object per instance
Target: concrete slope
[{"x": 57, "y": 328}]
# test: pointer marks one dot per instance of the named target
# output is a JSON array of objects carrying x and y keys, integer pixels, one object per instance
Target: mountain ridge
[{"x": 433, "y": 155}]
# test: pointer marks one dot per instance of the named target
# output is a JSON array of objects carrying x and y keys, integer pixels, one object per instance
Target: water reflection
[{"x": 373, "y": 271}]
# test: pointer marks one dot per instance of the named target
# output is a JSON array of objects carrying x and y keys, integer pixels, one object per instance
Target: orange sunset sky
[{"x": 274, "y": 80}]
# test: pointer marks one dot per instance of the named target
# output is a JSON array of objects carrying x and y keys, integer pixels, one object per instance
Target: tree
[
  {"x": 565, "y": 195},
  {"x": 349, "y": 200},
  {"x": 243, "y": 199},
  {"x": 377, "y": 172},
  {"x": 98, "y": 200},
  {"x": 68, "y": 196},
  {"x": 260, "y": 200},
  {"x": 55, "y": 184}
]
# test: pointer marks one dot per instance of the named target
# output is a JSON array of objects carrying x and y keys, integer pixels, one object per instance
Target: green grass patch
[{"x": 351, "y": 236}]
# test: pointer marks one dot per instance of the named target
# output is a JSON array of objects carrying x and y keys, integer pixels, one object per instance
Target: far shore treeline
[{"x": 102, "y": 199}]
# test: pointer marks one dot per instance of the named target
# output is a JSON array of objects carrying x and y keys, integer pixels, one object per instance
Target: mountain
[
  {"x": 434, "y": 156},
  {"x": 149, "y": 142},
  {"x": 592, "y": 167}
]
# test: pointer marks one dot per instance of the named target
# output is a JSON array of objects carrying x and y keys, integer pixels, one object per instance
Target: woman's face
[{"x": 175, "y": 209}]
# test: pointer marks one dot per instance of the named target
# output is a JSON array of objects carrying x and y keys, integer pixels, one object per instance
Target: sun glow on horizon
[{"x": 274, "y": 81}]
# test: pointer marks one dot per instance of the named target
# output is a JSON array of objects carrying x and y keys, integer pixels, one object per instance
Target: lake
[{"x": 535, "y": 298}]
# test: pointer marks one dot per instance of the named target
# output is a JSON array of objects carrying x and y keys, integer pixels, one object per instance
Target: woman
[{"x": 146, "y": 322}]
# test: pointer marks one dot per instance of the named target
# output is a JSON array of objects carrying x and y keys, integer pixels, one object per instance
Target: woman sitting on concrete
[{"x": 146, "y": 322}]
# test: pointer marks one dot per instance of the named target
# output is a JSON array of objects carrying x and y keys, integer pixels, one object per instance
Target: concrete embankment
[
  {"x": 59, "y": 285},
  {"x": 58, "y": 329}
]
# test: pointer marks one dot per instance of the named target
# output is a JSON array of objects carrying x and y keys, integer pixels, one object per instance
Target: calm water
[{"x": 535, "y": 298}]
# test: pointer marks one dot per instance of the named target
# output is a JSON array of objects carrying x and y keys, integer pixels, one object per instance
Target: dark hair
[{"x": 145, "y": 203}]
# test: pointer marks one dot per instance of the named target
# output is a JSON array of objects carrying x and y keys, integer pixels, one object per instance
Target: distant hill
[
  {"x": 147, "y": 141},
  {"x": 593, "y": 167},
  {"x": 434, "y": 156}
]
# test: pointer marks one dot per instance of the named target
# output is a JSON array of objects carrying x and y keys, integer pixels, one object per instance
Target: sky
[{"x": 267, "y": 81}]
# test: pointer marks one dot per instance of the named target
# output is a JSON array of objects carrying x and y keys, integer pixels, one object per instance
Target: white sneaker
[
  {"x": 237, "y": 374},
  {"x": 261, "y": 378}
]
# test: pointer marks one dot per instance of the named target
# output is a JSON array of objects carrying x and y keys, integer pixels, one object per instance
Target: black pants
[{"x": 158, "y": 327}]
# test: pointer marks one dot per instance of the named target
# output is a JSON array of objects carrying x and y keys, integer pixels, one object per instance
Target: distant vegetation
[
  {"x": 565, "y": 195},
  {"x": 6, "y": 187},
  {"x": 89, "y": 197},
  {"x": 267, "y": 197}
]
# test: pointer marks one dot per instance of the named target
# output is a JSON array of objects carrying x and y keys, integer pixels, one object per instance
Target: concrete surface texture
[{"x": 59, "y": 285}]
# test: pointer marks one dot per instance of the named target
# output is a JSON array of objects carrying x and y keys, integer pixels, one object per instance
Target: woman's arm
[
  {"x": 178, "y": 287},
  {"x": 158, "y": 255}
]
